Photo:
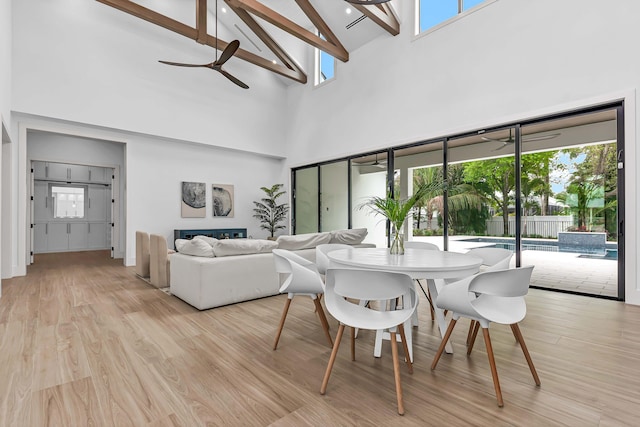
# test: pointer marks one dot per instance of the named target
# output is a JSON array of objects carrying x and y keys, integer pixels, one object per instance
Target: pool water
[{"x": 611, "y": 251}]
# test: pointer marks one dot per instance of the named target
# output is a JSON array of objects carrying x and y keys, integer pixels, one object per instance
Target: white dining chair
[
  {"x": 344, "y": 287},
  {"x": 492, "y": 259},
  {"x": 322, "y": 260},
  {"x": 429, "y": 247},
  {"x": 491, "y": 296},
  {"x": 302, "y": 278}
]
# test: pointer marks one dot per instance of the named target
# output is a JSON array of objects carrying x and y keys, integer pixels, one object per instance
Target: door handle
[
  {"x": 46, "y": 228},
  {"x": 46, "y": 201}
]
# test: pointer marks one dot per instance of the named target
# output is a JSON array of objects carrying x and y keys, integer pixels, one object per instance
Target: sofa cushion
[
  {"x": 303, "y": 241},
  {"x": 194, "y": 247},
  {"x": 229, "y": 247},
  {"x": 209, "y": 240},
  {"x": 349, "y": 237}
]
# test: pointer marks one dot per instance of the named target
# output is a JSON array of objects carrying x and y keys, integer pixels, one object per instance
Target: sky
[{"x": 433, "y": 12}]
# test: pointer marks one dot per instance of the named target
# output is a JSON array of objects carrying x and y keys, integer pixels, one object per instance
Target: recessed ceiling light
[
  {"x": 273, "y": 60},
  {"x": 224, "y": 10},
  {"x": 348, "y": 11}
]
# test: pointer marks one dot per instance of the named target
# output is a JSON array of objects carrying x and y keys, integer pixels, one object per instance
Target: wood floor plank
[
  {"x": 66, "y": 404},
  {"x": 83, "y": 341}
]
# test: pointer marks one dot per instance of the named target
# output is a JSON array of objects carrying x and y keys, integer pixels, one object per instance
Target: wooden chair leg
[
  {"x": 447, "y": 334},
  {"x": 431, "y": 310},
  {"x": 492, "y": 364},
  {"x": 353, "y": 344},
  {"x": 282, "y": 319},
  {"x": 473, "y": 338},
  {"x": 516, "y": 331},
  {"x": 405, "y": 348},
  {"x": 323, "y": 320},
  {"x": 396, "y": 372},
  {"x": 471, "y": 326},
  {"x": 332, "y": 359}
]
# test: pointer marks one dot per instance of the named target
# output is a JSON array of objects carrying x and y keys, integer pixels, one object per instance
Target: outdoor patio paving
[{"x": 557, "y": 270}]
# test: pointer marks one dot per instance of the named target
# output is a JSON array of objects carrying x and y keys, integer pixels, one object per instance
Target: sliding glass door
[
  {"x": 548, "y": 189},
  {"x": 569, "y": 196},
  {"x": 369, "y": 179}
]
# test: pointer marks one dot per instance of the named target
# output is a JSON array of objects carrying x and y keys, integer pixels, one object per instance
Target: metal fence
[{"x": 544, "y": 226}]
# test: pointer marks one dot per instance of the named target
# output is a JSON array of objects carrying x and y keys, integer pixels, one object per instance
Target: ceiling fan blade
[
  {"x": 504, "y": 144},
  {"x": 484, "y": 138},
  {"x": 541, "y": 138},
  {"x": 228, "y": 52},
  {"x": 232, "y": 78},
  {"x": 180, "y": 64}
]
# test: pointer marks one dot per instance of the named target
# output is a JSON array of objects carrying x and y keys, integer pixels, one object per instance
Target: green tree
[
  {"x": 464, "y": 202},
  {"x": 495, "y": 178}
]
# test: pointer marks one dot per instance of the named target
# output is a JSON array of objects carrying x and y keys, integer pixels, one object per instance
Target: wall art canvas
[
  {"x": 194, "y": 199},
  {"x": 222, "y": 198}
]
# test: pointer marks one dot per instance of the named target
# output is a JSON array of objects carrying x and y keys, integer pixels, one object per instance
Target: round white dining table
[{"x": 417, "y": 263}]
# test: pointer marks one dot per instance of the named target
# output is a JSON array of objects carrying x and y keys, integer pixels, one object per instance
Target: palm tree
[{"x": 461, "y": 196}]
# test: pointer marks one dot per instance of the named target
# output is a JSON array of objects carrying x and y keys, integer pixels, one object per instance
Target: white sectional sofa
[{"x": 209, "y": 273}]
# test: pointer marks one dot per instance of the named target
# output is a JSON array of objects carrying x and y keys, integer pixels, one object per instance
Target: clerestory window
[
  {"x": 431, "y": 13},
  {"x": 325, "y": 66}
]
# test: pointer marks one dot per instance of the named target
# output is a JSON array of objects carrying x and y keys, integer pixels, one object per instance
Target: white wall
[
  {"x": 5, "y": 62},
  {"x": 86, "y": 62},
  {"x": 156, "y": 169},
  {"x": 508, "y": 61},
  {"x": 5, "y": 106},
  {"x": 153, "y": 168}
]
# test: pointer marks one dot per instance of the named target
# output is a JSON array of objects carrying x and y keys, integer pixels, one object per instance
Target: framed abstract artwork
[
  {"x": 194, "y": 200},
  {"x": 222, "y": 200}
]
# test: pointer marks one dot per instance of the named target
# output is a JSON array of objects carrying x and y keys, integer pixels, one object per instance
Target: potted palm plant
[
  {"x": 269, "y": 212},
  {"x": 396, "y": 210}
]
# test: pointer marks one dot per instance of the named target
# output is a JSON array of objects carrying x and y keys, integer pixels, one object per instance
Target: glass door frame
[{"x": 517, "y": 126}]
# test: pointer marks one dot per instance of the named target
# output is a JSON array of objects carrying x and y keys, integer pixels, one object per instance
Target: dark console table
[{"x": 218, "y": 233}]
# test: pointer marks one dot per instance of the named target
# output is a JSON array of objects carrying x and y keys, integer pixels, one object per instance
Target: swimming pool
[{"x": 610, "y": 251}]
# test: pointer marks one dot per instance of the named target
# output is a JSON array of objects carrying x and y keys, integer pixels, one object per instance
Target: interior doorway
[{"x": 70, "y": 207}]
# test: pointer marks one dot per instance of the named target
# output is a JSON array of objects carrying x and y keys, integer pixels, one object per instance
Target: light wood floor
[{"x": 84, "y": 342}]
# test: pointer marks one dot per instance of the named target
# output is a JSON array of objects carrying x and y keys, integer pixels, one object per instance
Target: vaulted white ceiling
[{"x": 347, "y": 22}]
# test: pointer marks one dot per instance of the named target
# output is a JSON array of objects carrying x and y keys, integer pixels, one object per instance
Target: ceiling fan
[
  {"x": 375, "y": 164},
  {"x": 511, "y": 139},
  {"x": 365, "y": 2},
  {"x": 216, "y": 65}
]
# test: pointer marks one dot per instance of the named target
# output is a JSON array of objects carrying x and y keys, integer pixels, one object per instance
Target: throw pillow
[
  {"x": 194, "y": 247},
  {"x": 228, "y": 247},
  {"x": 209, "y": 240},
  {"x": 303, "y": 241},
  {"x": 349, "y": 237}
]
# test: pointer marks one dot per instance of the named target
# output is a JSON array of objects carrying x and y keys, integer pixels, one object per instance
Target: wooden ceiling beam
[
  {"x": 178, "y": 27},
  {"x": 201, "y": 21},
  {"x": 329, "y": 46},
  {"x": 268, "y": 41},
  {"x": 383, "y": 15}
]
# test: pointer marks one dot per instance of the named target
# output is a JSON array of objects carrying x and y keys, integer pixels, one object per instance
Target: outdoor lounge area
[{"x": 186, "y": 227}]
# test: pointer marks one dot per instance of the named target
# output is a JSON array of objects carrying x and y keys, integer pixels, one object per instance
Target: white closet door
[
  {"x": 97, "y": 236},
  {"x": 78, "y": 235},
  {"x": 58, "y": 237}
]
